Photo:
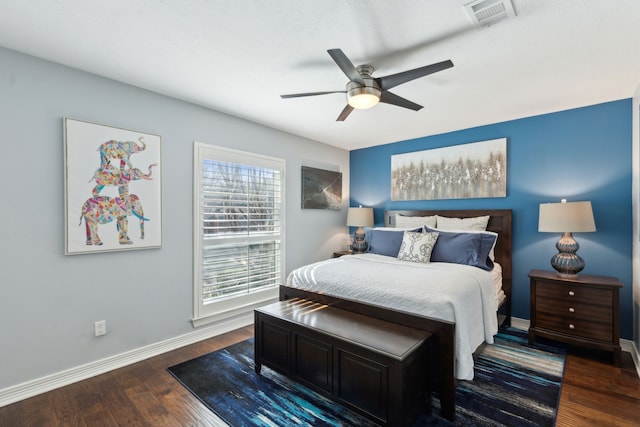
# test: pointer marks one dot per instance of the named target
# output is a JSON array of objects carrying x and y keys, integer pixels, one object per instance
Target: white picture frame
[{"x": 113, "y": 188}]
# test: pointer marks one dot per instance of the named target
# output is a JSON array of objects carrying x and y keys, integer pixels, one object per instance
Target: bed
[{"x": 455, "y": 340}]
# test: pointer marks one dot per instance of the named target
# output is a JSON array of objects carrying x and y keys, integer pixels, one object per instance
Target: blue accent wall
[{"x": 578, "y": 154}]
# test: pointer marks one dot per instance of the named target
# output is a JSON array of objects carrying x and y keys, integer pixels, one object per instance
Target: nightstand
[
  {"x": 341, "y": 253},
  {"x": 581, "y": 311}
]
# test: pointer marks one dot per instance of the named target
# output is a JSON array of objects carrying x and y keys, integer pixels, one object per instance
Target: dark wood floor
[
  {"x": 144, "y": 394},
  {"x": 596, "y": 393}
]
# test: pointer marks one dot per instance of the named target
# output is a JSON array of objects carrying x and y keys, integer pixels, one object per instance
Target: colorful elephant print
[
  {"x": 104, "y": 209},
  {"x": 121, "y": 150},
  {"x": 109, "y": 175}
]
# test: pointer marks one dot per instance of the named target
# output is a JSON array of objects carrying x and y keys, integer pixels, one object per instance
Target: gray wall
[{"x": 49, "y": 301}]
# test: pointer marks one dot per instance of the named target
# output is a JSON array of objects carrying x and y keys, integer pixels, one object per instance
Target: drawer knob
[
  {"x": 572, "y": 310},
  {"x": 571, "y": 293},
  {"x": 571, "y": 326}
]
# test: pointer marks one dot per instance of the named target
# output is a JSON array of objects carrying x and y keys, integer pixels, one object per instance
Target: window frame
[{"x": 233, "y": 307}]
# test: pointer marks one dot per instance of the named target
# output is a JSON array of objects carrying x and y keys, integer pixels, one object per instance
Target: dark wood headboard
[{"x": 499, "y": 222}]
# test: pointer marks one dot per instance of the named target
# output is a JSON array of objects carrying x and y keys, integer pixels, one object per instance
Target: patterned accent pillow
[{"x": 417, "y": 247}]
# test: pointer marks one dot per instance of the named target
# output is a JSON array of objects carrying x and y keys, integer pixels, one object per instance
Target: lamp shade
[
  {"x": 566, "y": 217},
  {"x": 360, "y": 217}
]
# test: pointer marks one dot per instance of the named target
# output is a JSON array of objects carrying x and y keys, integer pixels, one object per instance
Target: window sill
[{"x": 235, "y": 312}]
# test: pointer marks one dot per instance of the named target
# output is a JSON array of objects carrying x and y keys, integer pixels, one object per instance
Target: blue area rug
[{"x": 515, "y": 385}]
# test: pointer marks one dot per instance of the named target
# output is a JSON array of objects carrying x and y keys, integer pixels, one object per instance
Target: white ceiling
[{"x": 238, "y": 56}]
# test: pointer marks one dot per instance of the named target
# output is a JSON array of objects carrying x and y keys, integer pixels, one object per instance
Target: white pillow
[
  {"x": 492, "y": 255},
  {"x": 478, "y": 223},
  {"x": 415, "y": 221},
  {"x": 417, "y": 247}
]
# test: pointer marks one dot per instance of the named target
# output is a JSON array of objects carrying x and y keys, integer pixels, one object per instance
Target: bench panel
[
  {"x": 363, "y": 382},
  {"x": 275, "y": 345},
  {"x": 313, "y": 362}
]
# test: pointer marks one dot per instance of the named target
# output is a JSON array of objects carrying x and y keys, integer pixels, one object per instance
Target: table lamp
[
  {"x": 360, "y": 217},
  {"x": 566, "y": 218}
]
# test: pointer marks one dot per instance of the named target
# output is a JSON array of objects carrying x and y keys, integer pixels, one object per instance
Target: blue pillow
[
  {"x": 386, "y": 242},
  {"x": 463, "y": 248}
]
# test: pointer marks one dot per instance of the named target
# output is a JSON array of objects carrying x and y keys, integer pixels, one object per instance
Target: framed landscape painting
[
  {"x": 112, "y": 188},
  {"x": 474, "y": 170}
]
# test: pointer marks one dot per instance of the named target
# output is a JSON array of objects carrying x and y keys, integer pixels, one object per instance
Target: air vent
[{"x": 484, "y": 13}]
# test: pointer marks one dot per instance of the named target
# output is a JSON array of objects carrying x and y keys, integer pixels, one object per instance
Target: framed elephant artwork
[{"x": 113, "y": 188}]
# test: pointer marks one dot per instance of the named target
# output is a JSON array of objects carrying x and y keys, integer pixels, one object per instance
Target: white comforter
[{"x": 458, "y": 293}]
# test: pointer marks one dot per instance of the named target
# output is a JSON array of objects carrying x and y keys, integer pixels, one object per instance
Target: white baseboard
[
  {"x": 626, "y": 345},
  {"x": 59, "y": 379}
]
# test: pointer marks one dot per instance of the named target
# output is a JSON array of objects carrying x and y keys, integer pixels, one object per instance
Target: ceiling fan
[{"x": 364, "y": 91}]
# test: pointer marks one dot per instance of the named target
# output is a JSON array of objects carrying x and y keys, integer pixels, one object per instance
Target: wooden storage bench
[{"x": 378, "y": 368}]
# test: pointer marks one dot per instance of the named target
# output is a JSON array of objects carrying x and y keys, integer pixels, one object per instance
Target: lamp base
[
  {"x": 359, "y": 244},
  {"x": 566, "y": 262}
]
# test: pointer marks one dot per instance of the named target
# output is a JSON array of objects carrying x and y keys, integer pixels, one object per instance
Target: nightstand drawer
[
  {"x": 574, "y": 294},
  {"x": 576, "y": 327},
  {"x": 574, "y": 309}
]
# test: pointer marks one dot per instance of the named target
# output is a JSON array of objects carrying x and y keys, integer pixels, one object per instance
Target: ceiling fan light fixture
[
  {"x": 363, "y": 91},
  {"x": 363, "y": 97},
  {"x": 363, "y": 101}
]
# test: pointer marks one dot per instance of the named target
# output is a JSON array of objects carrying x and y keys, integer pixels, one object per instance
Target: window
[{"x": 239, "y": 244}]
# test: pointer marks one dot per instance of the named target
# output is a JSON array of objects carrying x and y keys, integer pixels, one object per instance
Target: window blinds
[{"x": 241, "y": 228}]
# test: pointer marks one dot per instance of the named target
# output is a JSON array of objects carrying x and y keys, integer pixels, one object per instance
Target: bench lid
[{"x": 392, "y": 339}]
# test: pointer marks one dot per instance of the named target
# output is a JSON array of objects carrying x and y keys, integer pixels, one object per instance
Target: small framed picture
[{"x": 321, "y": 189}]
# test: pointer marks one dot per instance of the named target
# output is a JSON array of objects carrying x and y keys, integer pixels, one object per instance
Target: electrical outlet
[{"x": 100, "y": 327}]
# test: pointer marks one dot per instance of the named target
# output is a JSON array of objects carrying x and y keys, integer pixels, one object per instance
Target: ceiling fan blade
[
  {"x": 298, "y": 95},
  {"x": 393, "y": 99},
  {"x": 393, "y": 80},
  {"x": 345, "y": 113},
  {"x": 346, "y": 65}
]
